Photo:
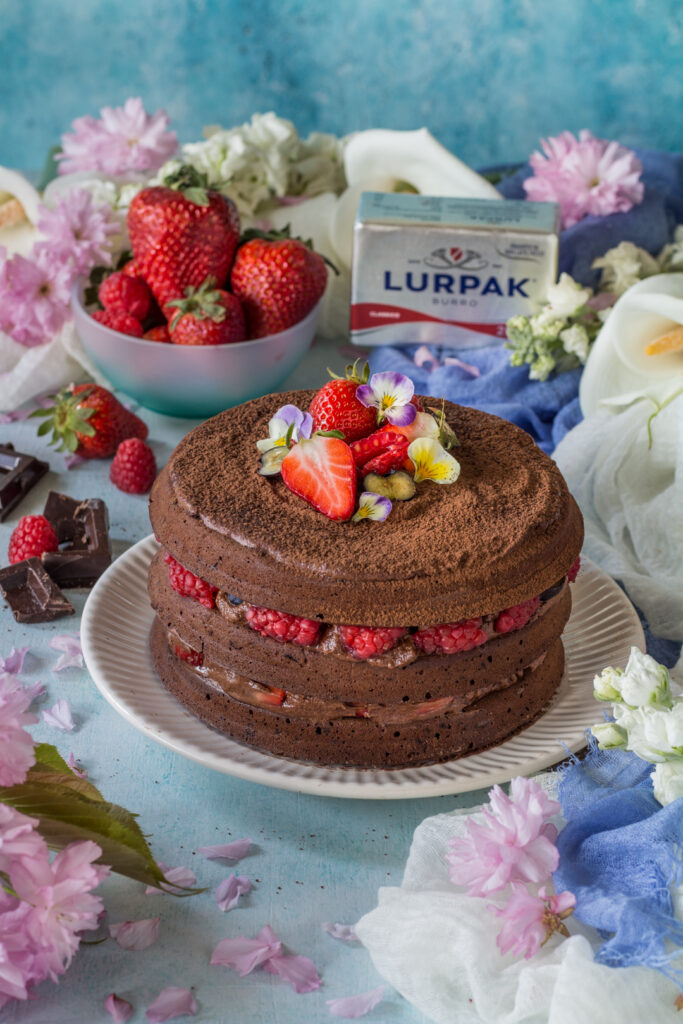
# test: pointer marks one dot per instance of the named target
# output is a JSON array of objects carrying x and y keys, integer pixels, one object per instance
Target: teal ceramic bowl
[{"x": 192, "y": 381}]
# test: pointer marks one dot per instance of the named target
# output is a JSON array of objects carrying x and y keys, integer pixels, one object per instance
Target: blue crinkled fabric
[{"x": 620, "y": 853}]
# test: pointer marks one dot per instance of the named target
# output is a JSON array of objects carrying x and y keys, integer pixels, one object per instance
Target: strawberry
[
  {"x": 335, "y": 406},
  {"x": 278, "y": 281},
  {"x": 181, "y": 233},
  {"x": 124, "y": 294},
  {"x": 130, "y": 269},
  {"x": 207, "y": 316},
  {"x": 117, "y": 320},
  {"x": 321, "y": 470},
  {"x": 134, "y": 467},
  {"x": 160, "y": 333},
  {"x": 87, "y": 420}
]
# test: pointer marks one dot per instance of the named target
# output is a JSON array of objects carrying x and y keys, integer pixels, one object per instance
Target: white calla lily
[{"x": 21, "y": 201}]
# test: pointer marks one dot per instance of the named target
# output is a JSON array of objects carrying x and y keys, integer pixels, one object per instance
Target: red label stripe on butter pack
[{"x": 365, "y": 315}]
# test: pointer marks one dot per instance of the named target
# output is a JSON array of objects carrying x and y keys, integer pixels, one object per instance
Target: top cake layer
[{"x": 506, "y": 531}]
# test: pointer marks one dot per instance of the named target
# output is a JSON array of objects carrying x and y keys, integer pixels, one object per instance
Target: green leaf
[
  {"x": 330, "y": 433},
  {"x": 197, "y": 196},
  {"x": 50, "y": 169},
  {"x": 69, "y": 812}
]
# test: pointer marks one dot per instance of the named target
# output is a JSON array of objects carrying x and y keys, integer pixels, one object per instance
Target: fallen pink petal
[
  {"x": 473, "y": 371},
  {"x": 423, "y": 357},
  {"x": 76, "y": 767},
  {"x": 14, "y": 662},
  {"x": 59, "y": 716},
  {"x": 356, "y": 1006},
  {"x": 245, "y": 955},
  {"x": 135, "y": 935},
  {"x": 73, "y": 460},
  {"x": 179, "y": 878},
  {"x": 344, "y": 932},
  {"x": 120, "y": 1009},
  {"x": 299, "y": 971},
  {"x": 72, "y": 655},
  {"x": 171, "y": 1002},
  {"x": 227, "y": 851},
  {"x": 228, "y": 892}
]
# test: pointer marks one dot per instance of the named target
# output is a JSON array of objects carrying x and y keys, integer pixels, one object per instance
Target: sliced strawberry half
[{"x": 321, "y": 470}]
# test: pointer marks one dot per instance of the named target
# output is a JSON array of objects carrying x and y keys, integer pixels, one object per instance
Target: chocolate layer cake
[{"x": 485, "y": 559}]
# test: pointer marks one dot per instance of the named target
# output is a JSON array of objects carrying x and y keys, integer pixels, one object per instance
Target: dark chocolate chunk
[
  {"x": 18, "y": 474},
  {"x": 82, "y": 529},
  {"x": 31, "y": 594}
]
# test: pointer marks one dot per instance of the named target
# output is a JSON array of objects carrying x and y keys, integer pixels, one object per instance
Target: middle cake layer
[{"x": 223, "y": 637}]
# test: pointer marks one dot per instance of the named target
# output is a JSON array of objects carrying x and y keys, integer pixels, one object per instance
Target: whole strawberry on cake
[{"x": 360, "y": 576}]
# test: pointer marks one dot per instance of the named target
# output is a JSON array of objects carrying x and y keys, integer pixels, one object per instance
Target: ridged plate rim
[{"x": 115, "y": 636}]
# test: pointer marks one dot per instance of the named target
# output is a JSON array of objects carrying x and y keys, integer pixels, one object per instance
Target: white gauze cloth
[
  {"x": 631, "y": 497},
  {"x": 438, "y": 948},
  {"x": 27, "y": 372}
]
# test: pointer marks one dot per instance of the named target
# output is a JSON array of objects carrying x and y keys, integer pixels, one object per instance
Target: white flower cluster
[
  {"x": 265, "y": 159},
  {"x": 648, "y": 720},
  {"x": 626, "y": 264}
]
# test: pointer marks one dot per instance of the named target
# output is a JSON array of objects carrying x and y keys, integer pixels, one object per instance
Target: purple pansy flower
[
  {"x": 390, "y": 394},
  {"x": 372, "y": 506},
  {"x": 287, "y": 416}
]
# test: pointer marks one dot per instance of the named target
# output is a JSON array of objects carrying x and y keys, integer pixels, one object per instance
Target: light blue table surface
[{"x": 314, "y": 859}]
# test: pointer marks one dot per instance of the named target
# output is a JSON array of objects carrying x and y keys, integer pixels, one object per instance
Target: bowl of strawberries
[{"x": 199, "y": 318}]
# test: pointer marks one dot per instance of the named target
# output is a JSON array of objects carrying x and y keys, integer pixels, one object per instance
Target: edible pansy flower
[
  {"x": 432, "y": 461},
  {"x": 390, "y": 393},
  {"x": 289, "y": 424},
  {"x": 372, "y": 506}
]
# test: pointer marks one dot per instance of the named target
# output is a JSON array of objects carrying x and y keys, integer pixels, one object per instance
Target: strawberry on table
[
  {"x": 207, "y": 316},
  {"x": 278, "y": 280},
  {"x": 181, "y": 233},
  {"x": 87, "y": 420},
  {"x": 335, "y": 406},
  {"x": 321, "y": 470}
]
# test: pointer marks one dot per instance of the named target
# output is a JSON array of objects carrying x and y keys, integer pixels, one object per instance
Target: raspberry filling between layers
[{"x": 271, "y": 698}]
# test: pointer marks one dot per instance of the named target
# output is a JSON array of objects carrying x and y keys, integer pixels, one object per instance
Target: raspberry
[
  {"x": 574, "y": 571},
  {"x": 160, "y": 333},
  {"x": 283, "y": 627},
  {"x": 189, "y": 585},
  {"x": 124, "y": 323},
  {"x": 516, "y": 617},
  {"x": 188, "y": 654},
  {"x": 451, "y": 637},
  {"x": 121, "y": 293},
  {"x": 368, "y": 642},
  {"x": 31, "y": 536},
  {"x": 134, "y": 467}
]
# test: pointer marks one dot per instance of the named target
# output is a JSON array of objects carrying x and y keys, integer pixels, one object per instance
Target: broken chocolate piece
[
  {"x": 82, "y": 529},
  {"x": 18, "y": 474},
  {"x": 31, "y": 594}
]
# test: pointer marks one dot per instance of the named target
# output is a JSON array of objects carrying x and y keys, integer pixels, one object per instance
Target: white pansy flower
[
  {"x": 667, "y": 780},
  {"x": 566, "y": 297},
  {"x": 576, "y": 341},
  {"x": 607, "y": 685},
  {"x": 623, "y": 266},
  {"x": 645, "y": 682},
  {"x": 609, "y": 735}
]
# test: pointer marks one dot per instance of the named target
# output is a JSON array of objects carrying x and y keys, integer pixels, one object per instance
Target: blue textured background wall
[{"x": 487, "y": 76}]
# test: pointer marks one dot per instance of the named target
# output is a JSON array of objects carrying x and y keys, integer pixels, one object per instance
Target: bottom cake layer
[{"x": 437, "y": 733}]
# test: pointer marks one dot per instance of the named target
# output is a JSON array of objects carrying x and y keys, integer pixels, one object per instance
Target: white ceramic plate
[{"x": 115, "y": 636}]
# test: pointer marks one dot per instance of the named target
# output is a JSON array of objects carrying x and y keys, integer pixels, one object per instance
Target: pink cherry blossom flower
[
  {"x": 136, "y": 934},
  {"x": 77, "y": 231},
  {"x": 299, "y": 971},
  {"x": 120, "y": 1009},
  {"x": 228, "y": 892},
  {"x": 18, "y": 837},
  {"x": 59, "y": 716},
  {"x": 61, "y": 899},
  {"x": 16, "y": 745},
  {"x": 586, "y": 176},
  {"x": 70, "y": 645},
  {"x": 21, "y": 961},
  {"x": 515, "y": 842},
  {"x": 122, "y": 140},
  {"x": 356, "y": 1006},
  {"x": 236, "y": 850},
  {"x": 171, "y": 1002},
  {"x": 245, "y": 955},
  {"x": 179, "y": 878},
  {"x": 531, "y": 920},
  {"x": 34, "y": 297}
]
